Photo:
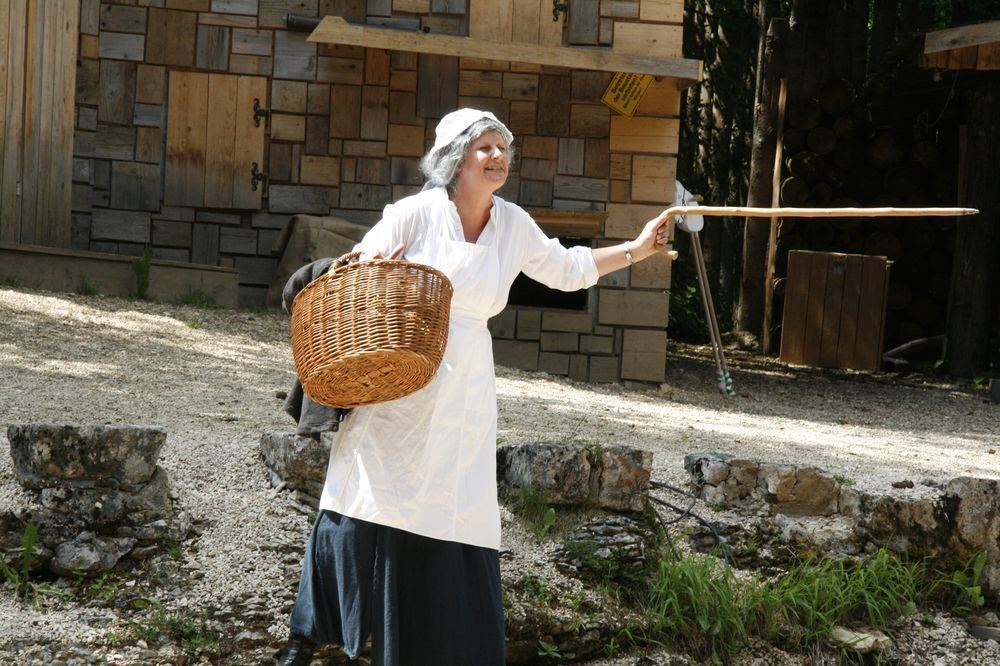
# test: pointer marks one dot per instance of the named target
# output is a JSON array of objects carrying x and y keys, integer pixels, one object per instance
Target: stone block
[
  {"x": 529, "y": 324},
  {"x": 300, "y": 462},
  {"x": 89, "y": 555},
  {"x": 603, "y": 369},
  {"x": 564, "y": 342},
  {"x": 611, "y": 477},
  {"x": 504, "y": 324},
  {"x": 800, "y": 491},
  {"x": 554, "y": 364},
  {"x": 624, "y": 478},
  {"x": 516, "y": 354},
  {"x": 596, "y": 344},
  {"x": 644, "y": 355},
  {"x": 574, "y": 322},
  {"x": 633, "y": 308},
  {"x": 579, "y": 366},
  {"x": 47, "y": 455}
]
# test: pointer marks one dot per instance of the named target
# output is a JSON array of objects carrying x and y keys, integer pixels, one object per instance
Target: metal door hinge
[
  {"x": 558, "y": 7},
  {"x": 256, "y": 176},
  {"x": 259, "y": 112}
]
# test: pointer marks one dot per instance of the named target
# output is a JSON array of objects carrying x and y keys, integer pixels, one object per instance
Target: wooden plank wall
[
  {"x": 37, "y": 78},
  {"x": 347, "y": 129}
]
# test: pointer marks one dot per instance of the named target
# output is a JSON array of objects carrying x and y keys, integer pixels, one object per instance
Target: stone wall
[{"x": 346, "y": 130}]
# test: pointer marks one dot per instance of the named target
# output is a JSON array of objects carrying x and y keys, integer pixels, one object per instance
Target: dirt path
[{"x": 210, "y": 377}]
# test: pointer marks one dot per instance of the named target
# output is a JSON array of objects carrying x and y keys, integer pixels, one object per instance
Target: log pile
[{"x": 837, "y": 153}]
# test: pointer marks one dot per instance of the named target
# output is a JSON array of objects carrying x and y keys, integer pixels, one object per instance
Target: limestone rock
[
  {"x": 624, "y": 478},
  {"x": 800, "y": 491},
  {"x": 615, "y": 546},
  {"x": 89, "y": 555},
  {"x": 695, "y": 464},
  {"x": 829, "y": 535},
  {"x": 559, "y": 472},
  {"x": 298, "y": 461},
  {"x": 977, "y": 524},
  {"x": 911, "y": 526},
  {"x": 47, "y": 455},
  {"x": 864, "y": 642},
  {"x": 612, "y": 477},
  {"x": 99, "y": 506},
  {"x": 726, "y": 481}
]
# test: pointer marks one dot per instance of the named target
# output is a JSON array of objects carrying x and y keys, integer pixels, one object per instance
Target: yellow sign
[{"x": 626, "y": 91}]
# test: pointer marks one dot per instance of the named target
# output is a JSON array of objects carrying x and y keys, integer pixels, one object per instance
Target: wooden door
[
  {"x": 38, "y": 49},
  {"x": 214, "y": 140}
]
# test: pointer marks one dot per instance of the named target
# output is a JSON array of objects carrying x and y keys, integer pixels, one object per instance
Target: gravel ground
[{"x": 210, "y": 378}]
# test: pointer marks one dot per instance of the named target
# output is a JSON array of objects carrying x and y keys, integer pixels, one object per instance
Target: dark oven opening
[{"x": 529, "y": 293}]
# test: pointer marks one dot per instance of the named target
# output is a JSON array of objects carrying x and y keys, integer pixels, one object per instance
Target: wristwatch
[{"x": 628, "y": 254}]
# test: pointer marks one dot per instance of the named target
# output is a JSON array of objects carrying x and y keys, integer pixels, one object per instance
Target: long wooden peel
[
  {"x": 722, "y": 370},
  {"x": 751, "y": 211}
]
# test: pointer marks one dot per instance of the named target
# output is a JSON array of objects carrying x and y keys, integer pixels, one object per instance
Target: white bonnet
[{"x": 457, "y": 122}]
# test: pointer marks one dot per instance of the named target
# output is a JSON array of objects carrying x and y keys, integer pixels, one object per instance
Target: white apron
[{"x": 426, "y": 463}]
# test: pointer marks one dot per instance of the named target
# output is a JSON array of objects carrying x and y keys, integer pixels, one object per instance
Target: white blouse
[{"x": 426, "y": 463}]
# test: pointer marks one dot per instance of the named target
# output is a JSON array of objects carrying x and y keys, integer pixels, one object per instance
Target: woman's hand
[
  {"x": 396, "y": 253},
  {"x": 653, "y": 236}
]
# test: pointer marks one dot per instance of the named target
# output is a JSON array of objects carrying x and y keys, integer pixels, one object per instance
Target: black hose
[{"x": 302, "y": 23}]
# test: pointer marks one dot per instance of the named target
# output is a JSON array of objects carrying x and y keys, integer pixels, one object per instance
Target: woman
[{"x": 405, "y": 546}]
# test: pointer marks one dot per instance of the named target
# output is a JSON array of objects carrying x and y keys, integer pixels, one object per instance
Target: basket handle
[{"x": 343, "y": 260}]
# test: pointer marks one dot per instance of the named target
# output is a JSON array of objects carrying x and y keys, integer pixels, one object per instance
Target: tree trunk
[
  {"x": 972, "y": 304},
  {"x": 750, "y": 310}
]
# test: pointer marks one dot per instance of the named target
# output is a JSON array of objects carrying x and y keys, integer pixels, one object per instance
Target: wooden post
[
  {"x": 755, "y": 238},
  {"x": 772, "y": 241},
  {"x": 972, "y": 304}
]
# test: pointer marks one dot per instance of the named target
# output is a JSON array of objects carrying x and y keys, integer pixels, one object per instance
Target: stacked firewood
[{"x": 836, "y": 154}]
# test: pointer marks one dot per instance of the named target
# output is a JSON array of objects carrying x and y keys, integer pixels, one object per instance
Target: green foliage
[
  {"x": 191, "y": 324},
  {"x": 20, "y": 576},
  {"x": 532, "y": 506},
  {"x": 85, "y": 288},
  {"x": 552, "y": 651},
  {"x": 140, "y": 267},
  {"x": 961, "y": 591},
  {"x": 104, "y": 588},
  {"x": 187, "y": 629},
  {"x": 699, "y": 603},
  {"x": 696, "y": 601},
  {"x": 604, "y": 570},
  {"x": 843, "y": 480},
  {"x": 173, "y": 548},
  {"x": 535, "y": 589}
]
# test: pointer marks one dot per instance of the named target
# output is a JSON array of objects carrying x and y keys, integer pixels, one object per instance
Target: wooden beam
[
  {"x": 569, "y": 223},
  {"x": 966, "y": 35},
  {"x": 335, "y": 30}
]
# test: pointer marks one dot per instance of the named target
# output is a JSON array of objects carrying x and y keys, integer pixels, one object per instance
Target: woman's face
[{"x": 486, "y": 164}]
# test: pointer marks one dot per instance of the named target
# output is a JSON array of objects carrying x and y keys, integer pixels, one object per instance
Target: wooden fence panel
[{"x": 834, "y": 312}]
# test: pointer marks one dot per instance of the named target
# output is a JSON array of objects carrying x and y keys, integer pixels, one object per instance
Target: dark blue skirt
[{"x": 424, "y": 602}]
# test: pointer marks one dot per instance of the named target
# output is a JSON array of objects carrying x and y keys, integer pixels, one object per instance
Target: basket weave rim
[{"x": 367, "y": 263}]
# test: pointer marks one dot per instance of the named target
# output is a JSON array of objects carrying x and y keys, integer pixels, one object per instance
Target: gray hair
[{"x": 441, "y": 166}]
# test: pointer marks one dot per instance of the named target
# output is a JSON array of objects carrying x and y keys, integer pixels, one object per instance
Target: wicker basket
[{"x": 370, "y": 331}]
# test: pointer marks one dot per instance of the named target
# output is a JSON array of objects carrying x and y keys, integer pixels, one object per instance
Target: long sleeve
[
  {"x": 394, "y": 228},
  {"x": 547, "y": 261}
]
